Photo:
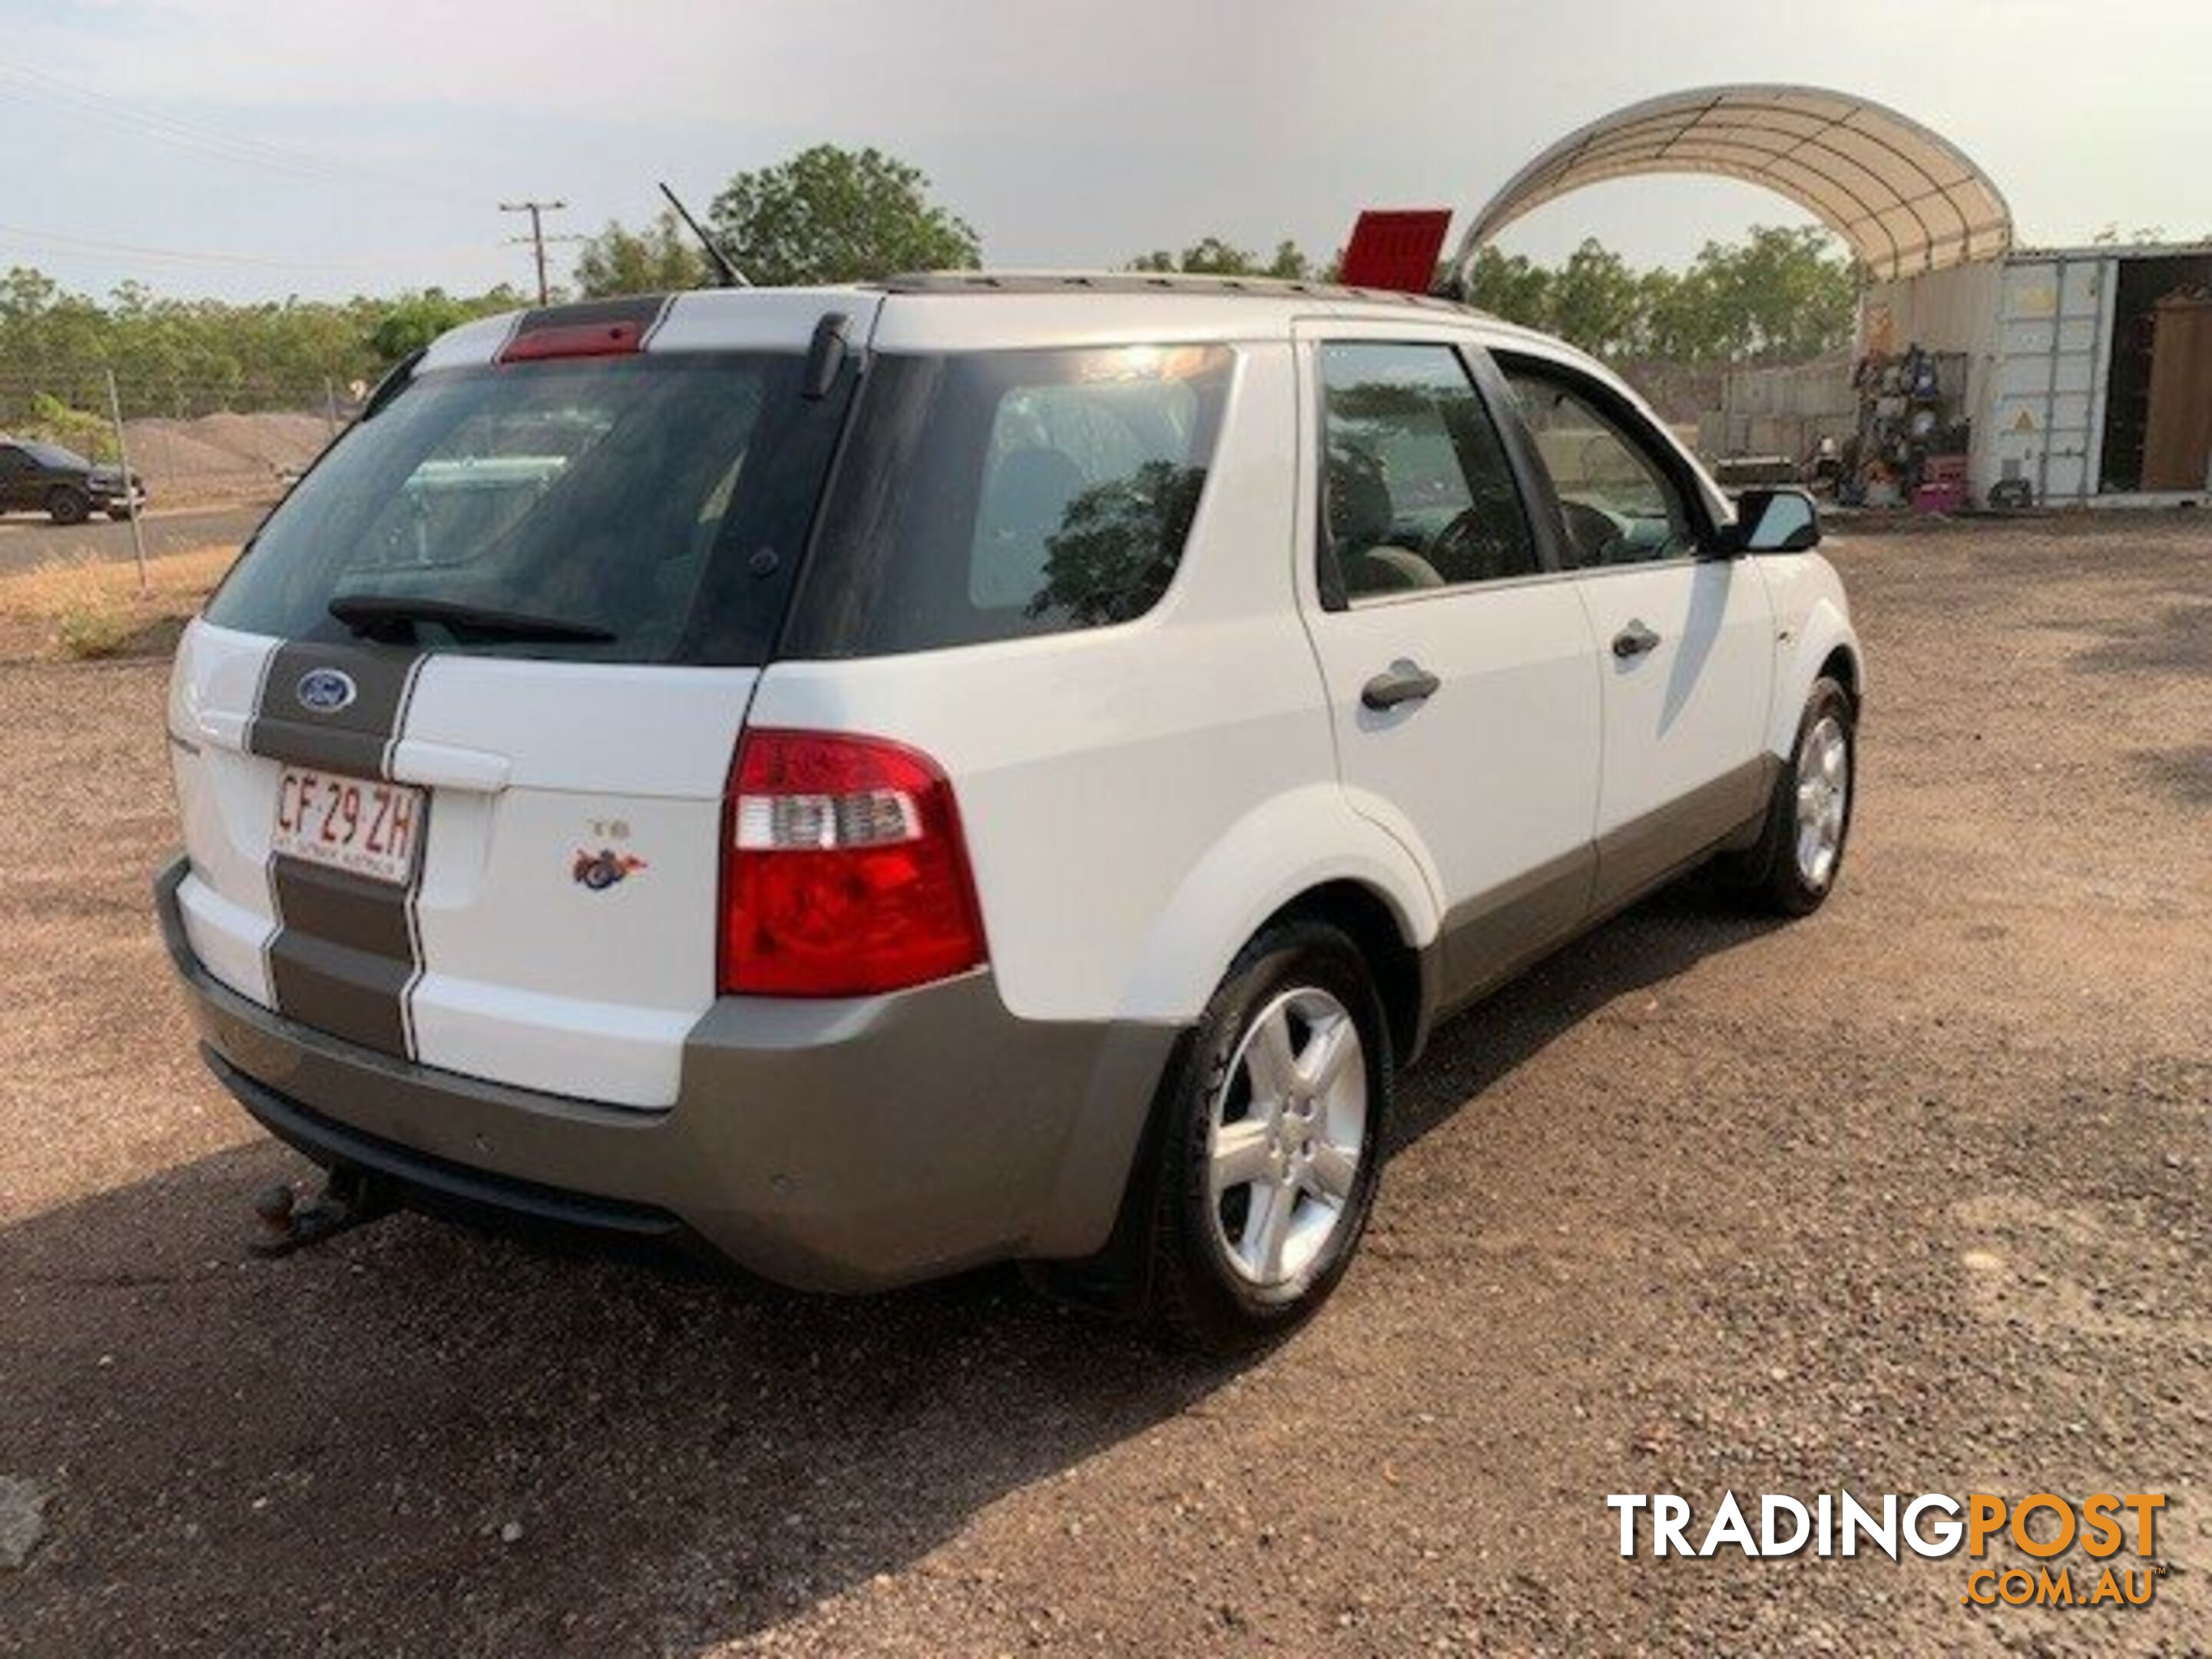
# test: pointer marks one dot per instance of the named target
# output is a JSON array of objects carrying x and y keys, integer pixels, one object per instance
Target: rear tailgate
[
  {"x": 555, "y": 925},
  {"x": 491, "y": 851}
]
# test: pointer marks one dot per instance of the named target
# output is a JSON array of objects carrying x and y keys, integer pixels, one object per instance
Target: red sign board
[{"x": 1396, "y": 248}]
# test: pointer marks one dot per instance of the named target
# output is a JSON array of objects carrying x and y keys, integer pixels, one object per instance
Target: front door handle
[
  {"x": 1633, "y": 641},
  {"x": 1403, "y": 681}
]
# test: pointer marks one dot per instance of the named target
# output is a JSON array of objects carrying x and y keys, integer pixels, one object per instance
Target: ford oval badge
[{"x": 324, "y": 691}]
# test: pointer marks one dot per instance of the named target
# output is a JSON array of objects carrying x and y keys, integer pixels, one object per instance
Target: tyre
[
  {"x": 1792, "y": 868},
  {"x": 66, "y": 504},
  {"x": 1272, "y": 1140},
  {"x": 119, "y": 514}
]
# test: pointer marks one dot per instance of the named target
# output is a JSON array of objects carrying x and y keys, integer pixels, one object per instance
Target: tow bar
[{"x": 350, "y": 1199}]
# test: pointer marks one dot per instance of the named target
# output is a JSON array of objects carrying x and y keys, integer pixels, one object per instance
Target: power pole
[{"x": 537, "y": 239}]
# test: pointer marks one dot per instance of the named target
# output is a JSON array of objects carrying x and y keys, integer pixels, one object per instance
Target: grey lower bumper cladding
[{"x": 846, "y": 1144}]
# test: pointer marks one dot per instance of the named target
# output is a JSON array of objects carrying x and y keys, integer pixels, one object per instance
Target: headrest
[{"x": 1359, "y": 508}]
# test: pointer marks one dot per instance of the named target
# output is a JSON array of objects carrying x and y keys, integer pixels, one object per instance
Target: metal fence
[{"x": 191, "y": 439}]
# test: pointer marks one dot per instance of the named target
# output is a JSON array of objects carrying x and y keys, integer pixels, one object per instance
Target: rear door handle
[
  {"x": 1403, "y": 681},
  {"x": 1633, "y": 641}
]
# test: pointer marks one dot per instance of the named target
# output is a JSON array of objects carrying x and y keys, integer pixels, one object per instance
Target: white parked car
[{"x": 874, "y": 781}]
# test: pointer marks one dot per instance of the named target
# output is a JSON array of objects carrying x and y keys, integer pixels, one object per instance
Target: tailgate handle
[{"x": 440, "y": 766}]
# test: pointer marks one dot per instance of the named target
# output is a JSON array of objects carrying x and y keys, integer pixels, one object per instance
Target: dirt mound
[{"x": 222, "y": 454}]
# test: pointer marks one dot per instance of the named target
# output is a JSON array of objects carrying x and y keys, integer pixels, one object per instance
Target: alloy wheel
[
  {"x": 1287, "y": 1131},
  {"x": 1824, "y": 785}
]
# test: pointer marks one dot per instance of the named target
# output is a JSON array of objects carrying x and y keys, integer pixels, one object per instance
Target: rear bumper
[{"x": 847, "y": 1144}]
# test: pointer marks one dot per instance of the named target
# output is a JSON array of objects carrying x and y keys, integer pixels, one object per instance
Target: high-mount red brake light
[
  {"x": 843, "y": 869},
  {"x": 609, "y": 339},
  {"x": 589, "y": 328}
]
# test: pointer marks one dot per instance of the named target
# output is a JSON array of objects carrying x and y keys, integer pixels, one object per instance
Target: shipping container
[{"x": 2061, "y": 345}]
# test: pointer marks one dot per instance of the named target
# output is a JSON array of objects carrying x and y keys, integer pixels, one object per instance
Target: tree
[
  {"x": 2110, "y": 235},
  {"x": 1783, "y": 296},
  {"x": 1213, "y": 257},
  {"x": 838, "y": 215},
  {"x": 1595, "y": 301},
  {"x": 1681, "y": 321},
  {"x": 1290, "y": 263},
  {"x": 1510, "y": 286},
  {"x": 413, "y": 320},
  {"x": 1114, "y": 552},
  {"x": 662, "y": 257},
  {"x": 87, "y": 432}
]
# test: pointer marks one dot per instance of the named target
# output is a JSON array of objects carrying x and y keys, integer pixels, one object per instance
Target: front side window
[
  {"x": 988, "y": 495},
  {"x": 1416, "y": 490},
  {"x": 1616, "y": 504},
  {"x": 647, "y": 508}
]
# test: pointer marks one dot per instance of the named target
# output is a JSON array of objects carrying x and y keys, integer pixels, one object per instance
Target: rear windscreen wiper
[{"x": 373, "y": 614}]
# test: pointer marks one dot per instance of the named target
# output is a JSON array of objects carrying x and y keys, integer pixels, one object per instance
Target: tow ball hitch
[{"x": 349, "y": 1198}]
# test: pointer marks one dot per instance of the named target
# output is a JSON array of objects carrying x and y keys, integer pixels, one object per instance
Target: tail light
[{"x": 843, "y": 869}]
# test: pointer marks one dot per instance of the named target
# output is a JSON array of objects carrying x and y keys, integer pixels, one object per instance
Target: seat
[{"x": 1360, "y": 514}]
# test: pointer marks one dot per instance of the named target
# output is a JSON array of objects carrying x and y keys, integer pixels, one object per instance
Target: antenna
[{"x": 732, "y": 276}]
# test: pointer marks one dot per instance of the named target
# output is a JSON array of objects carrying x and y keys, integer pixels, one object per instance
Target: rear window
[
  {"x": 985, "y": 495},
  {"x": 648, "y": 509}
]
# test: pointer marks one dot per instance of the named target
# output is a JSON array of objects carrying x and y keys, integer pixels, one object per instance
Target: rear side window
[
  {"x": 985, "y": 495},
  {"x": 1418, "y": 492},
  {"x": 648, "y": 509}
]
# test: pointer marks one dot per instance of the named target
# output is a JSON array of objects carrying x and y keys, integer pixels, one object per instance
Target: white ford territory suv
[{"x": 867, "y": 781}]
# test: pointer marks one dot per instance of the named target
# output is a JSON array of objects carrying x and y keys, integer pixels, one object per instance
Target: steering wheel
[
  {"x": 1468, "y": 537},
  {"x": 1595, "y": 537}
]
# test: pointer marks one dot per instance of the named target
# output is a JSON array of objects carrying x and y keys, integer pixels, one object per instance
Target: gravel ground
[{"x": 1907, "y": 1197}]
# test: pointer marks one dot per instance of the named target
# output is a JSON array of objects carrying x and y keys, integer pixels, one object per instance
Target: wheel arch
[
  {"x": 1098, "y": 1231},
  {"x": 1363, "y": 916},
  {"x": 1825, "y": 645},
  {"x": 1842, "y": 665},
  {"x": 1305, "y": 850}
]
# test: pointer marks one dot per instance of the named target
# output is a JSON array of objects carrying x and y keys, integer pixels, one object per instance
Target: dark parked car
[{"x": 37, "y": 477}]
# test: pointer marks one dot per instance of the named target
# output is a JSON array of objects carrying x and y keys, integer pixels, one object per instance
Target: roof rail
[{"x": 1151, "y": 282}]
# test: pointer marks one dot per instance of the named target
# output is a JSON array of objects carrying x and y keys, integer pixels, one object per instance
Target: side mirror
[{"x": 1772, "y": 521}]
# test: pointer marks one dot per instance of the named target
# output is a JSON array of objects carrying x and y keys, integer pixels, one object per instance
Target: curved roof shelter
[{"x": 1905, "y": 199}]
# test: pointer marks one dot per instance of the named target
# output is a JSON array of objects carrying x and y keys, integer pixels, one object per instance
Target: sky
[{"x": 326, "y": 147}]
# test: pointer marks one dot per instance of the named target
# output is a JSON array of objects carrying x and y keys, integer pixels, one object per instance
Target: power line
[
  {"x": 16, "y": 82},
  {"x": 93, "y": 104},
  {"x": 66, "y": 243},
  {"x": 20, "y": 81}
]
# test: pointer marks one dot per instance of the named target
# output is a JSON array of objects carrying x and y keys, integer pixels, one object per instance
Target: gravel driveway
[{"x": 1908, "y": 1197}]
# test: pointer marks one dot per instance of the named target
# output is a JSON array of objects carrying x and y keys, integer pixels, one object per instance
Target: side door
[
  {"x": 1685, "y": 640},
  {"x": 1461, "y": 673}
]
